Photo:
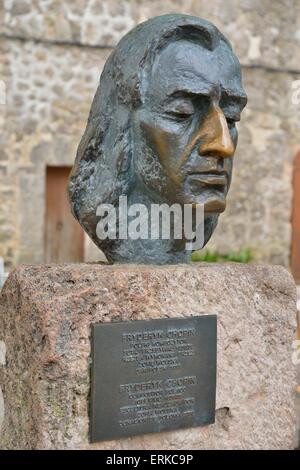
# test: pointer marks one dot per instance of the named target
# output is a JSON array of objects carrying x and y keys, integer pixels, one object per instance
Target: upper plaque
[{"x": 152, "y": 376}]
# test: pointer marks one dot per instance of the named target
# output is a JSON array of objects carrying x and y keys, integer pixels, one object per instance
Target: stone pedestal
[{"x": 46, "y": 314}]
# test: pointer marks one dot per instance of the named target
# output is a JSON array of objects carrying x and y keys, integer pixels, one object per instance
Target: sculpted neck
[{"x": 147, "y": 250}]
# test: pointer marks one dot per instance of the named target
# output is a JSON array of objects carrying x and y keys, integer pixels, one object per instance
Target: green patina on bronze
[{"x": 162, "y": 129}]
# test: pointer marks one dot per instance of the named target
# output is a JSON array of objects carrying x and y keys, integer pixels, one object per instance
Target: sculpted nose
[{"x": 215, "y": 136}]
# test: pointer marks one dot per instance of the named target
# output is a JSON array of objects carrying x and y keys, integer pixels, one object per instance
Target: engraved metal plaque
[{"x": 152, "y": 376}]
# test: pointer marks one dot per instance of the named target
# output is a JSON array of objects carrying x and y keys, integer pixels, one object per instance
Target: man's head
[
  {"x": 185, "y": 132},
  {"x": 163, "y": 119}
]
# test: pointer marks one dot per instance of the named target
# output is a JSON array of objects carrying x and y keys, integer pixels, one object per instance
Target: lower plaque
[{"x": 152, "y": 376}]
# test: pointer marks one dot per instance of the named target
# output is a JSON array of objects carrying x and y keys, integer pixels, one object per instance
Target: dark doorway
[{"x": 64, "y": 238}]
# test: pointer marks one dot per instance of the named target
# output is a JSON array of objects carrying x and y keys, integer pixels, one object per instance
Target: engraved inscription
[
  {"x": 157, "y": 400},
  {"x": 152, "y": 351},
  {"x": 152, "y": 376}
]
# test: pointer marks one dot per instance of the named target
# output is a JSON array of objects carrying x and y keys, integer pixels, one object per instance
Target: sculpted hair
[{"x": 102, "y": 170}]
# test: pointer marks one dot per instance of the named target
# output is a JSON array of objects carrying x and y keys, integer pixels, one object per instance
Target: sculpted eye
[{"x": 181, "y": 110}]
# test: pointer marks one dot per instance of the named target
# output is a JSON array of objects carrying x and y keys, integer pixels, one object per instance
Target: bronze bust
[{"x": 162, "y": 129}]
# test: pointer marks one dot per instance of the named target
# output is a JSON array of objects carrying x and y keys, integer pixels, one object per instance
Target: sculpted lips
[{"x": 209, "y": 177}]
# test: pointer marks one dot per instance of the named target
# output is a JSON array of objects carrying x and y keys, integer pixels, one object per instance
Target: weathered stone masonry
[{"x": 51, "y": 55}]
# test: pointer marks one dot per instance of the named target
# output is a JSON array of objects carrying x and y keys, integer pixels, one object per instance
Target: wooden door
[
  {"x": 64, "y": 239},
  {"x": 295, "y": 260}
]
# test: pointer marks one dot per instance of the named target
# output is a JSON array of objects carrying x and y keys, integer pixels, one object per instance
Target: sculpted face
[{"x": 185, "y": 132}]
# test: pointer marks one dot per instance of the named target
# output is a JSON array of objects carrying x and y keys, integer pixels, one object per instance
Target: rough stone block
[{"x": 46, "y": 314}]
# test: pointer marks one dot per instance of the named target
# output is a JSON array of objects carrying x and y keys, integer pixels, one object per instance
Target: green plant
[{"x": 242, "y": 256}]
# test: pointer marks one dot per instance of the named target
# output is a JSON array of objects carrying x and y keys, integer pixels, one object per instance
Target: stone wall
[{"x": 51, "y": 56}]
